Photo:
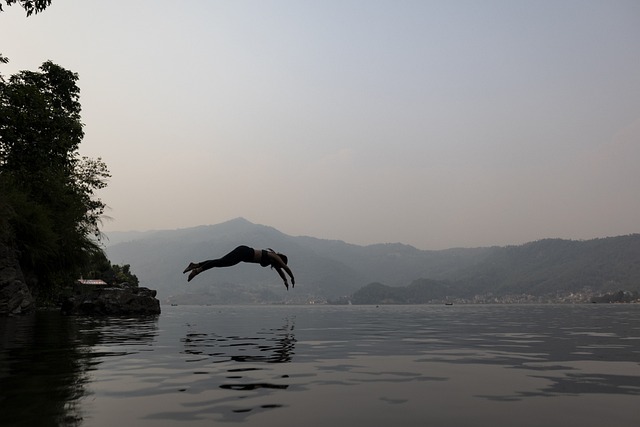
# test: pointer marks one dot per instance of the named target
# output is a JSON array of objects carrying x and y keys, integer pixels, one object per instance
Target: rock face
[
  {"x": 114, "y": 301},
  {"x": 15, "y": 297}
]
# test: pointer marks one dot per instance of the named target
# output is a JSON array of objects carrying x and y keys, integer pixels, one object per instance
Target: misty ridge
[{"x": 330, "y": 270}]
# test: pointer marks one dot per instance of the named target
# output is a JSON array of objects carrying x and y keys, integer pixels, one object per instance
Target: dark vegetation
[
  {"x": 30, "y": 6},
  {"x": 48, "y": 210}
]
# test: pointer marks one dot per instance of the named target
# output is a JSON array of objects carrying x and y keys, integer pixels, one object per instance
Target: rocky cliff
[
  {"x": 115, "y": 300},
  {"x": 15, "y": 297}
]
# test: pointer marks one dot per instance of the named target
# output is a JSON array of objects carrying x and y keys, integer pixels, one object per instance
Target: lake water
[{"x": 461, "y": 365}]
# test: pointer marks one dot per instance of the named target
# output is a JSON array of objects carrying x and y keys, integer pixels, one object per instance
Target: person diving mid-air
[{"x": 264, "y": 257}]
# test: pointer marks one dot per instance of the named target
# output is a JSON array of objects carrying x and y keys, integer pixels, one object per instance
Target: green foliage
[
  {"x": 48, "y": 188},
  {"x": 99, "y": 267},
  {"x": 30, "y": 223},
  {"x": 30, "y": 6},
  {"x": 123, "y": 274}
]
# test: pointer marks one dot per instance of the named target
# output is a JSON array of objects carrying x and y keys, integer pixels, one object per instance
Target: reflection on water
[
  {"x": 421, "y": 365},
  {"x": 231, "y": 377},
  {"x": 269, "y": 345},
  {"x": 42, "y": 371},
  {"x": 45, "y": 360}
]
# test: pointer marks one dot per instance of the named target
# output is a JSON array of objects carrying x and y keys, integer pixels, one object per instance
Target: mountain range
[{"x": 334, "y": 270}]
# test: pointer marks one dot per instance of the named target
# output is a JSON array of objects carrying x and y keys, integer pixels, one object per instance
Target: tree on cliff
[{"x": 49, "y": 189}]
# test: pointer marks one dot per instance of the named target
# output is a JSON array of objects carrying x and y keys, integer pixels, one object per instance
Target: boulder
[
  {"x": 15, "y": 296},
  {"x": 112, "y": 301}
]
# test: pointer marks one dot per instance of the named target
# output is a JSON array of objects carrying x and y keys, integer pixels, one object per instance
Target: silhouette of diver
[{"x": 264, "y": 257}]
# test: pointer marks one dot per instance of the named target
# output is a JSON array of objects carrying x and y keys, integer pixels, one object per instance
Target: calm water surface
[{"x": 472, "y": 365}]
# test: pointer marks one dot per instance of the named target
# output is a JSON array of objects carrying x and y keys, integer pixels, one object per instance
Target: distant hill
[
  {"x": 331, "y": 269},
  {"x": 421, "y": 291}
]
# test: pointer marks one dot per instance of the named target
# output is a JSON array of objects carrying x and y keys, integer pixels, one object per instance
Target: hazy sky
[{"x": 432, "y": 123}]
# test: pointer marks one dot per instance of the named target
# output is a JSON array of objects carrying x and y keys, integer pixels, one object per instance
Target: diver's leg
[{"x": 239, "y": 254}]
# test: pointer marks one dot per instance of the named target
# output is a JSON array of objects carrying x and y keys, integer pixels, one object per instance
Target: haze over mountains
[{"x": 330, "y": 269}]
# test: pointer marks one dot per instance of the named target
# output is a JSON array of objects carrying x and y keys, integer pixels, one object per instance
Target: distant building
[{"x": 92, "y": 282}]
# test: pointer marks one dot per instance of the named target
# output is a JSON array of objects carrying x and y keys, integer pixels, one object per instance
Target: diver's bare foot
[
  {"x": 194, "y": 273},
  {"x": 190, "y": 267}
]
